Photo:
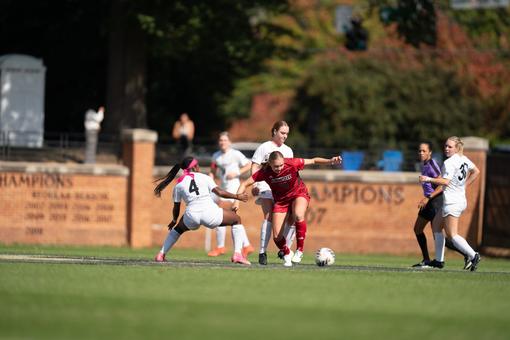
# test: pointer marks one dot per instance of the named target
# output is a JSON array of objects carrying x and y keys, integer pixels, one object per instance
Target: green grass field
[{"x": 200, "y": 298}]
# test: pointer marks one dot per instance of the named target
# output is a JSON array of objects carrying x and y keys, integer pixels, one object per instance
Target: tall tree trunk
[{"x": 125, "y": 103}]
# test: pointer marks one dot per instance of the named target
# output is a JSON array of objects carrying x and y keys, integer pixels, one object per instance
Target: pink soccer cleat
[
  {"x": 160, "y": 257},
  {"x": 239, "y": 258}
]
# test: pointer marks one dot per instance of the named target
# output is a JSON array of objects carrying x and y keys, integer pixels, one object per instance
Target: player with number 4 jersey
[{"x": 195, "y": 188}]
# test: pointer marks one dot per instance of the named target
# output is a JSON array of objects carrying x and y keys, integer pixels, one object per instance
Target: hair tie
[{"x": 187, "y": 171}]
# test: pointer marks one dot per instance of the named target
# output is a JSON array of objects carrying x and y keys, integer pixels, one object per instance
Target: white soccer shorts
[
  {"x": 267, "y": 194},
  {"x": 210, "y": 217},
  {"x": 454, "y": 209}
]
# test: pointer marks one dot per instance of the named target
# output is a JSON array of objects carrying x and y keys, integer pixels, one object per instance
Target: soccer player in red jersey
[{"x": 290, "y": 195}]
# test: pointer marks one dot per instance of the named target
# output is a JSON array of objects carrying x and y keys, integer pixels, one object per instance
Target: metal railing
[
  {"x": 70, "y": 147},
  {"x": 59, "y": 147}
]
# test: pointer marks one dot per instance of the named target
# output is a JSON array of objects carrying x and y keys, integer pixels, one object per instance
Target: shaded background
[{"x": 429, "y": 71}]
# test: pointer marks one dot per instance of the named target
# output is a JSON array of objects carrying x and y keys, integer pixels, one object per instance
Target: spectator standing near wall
[
  {"x": 183, "y": 132},
  {"x": 93, "y": 121}
]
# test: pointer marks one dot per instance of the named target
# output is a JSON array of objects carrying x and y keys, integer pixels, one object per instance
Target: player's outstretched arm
[
  {"x": 437, "y": 180},
  {"x": 324, "y": 161},
  {"x": 225, "y": 194},
  {"x": 242, "y": 190}
]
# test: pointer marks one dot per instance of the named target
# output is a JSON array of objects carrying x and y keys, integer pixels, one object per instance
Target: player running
[
  {"x": 279, "y": 134},
  {"x": 228, "y": 165},
  {"x": 291, "y": 198}
]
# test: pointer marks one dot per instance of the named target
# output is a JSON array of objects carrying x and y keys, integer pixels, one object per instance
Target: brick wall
[{"x": 63, "y": 204}]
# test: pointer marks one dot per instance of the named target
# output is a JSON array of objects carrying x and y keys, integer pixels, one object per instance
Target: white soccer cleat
[
  {"x": 287, "y": 259},
  {"x": 298, "y": 256}
]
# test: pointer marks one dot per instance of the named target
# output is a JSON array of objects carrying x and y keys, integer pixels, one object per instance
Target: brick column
[
  {"x": 138, "y": 155},
  {"x": 476, "y": 148}
]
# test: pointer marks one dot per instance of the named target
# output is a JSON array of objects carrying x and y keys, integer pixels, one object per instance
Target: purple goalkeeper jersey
[{"x": 430, "y": 169}]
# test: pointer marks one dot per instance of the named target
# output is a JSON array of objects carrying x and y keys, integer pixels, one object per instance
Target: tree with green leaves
[
  {"x": 367, "y": 103},
  {"x": 146, "y": 60}
]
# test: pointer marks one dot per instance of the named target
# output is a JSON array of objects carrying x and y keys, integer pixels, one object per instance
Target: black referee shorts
[{"x": 432, "y": 208}]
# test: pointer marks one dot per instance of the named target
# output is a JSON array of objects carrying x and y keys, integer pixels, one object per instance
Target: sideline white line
[{"x": 84, "y": 260}]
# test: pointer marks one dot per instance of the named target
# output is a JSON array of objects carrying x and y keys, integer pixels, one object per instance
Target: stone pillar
[
  {"x": 138, "y": 156},
  {"x": 476, "y": 148}
]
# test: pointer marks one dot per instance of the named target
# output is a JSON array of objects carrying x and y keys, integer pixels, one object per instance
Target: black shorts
[{"x": 432, "y": 208}]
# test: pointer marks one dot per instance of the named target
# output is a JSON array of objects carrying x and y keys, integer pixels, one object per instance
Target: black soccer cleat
[
  {"x": 475, "y": 261},
  {"x": 422, "y": 264},
  {"x": 263, "y": 259},
  {"x": 281, "y": 254},
  {"x": 436, "y": 264}
]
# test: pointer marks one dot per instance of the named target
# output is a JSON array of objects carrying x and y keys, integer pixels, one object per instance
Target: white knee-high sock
[
  {"x": 265, "y": 235},
  {"x": 439, "y": 242},
  {"x": 463, "y": 246},
  {"x": 289, "y": 233},
  {"x": 246, "y": 241},
  {"x": 170, "y": 240},
  {"x": 238, "y": 236},
  {"x": 220, "y": 236}
]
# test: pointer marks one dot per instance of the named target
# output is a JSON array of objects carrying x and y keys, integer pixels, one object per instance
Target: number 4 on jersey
[{"x": 193, "y": 187}]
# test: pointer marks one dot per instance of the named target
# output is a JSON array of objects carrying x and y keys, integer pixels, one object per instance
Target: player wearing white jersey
[
  {"x": 195, "y": 188},
  {"x": 458, "y": 172},
  {"x": 279, "y": 133},
  {"x": 228, "y": 165}
]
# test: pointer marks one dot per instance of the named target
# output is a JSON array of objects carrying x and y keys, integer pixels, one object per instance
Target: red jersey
[{"x": 287, "y": 184}]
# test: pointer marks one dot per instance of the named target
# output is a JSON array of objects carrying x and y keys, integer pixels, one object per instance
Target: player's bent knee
[{"x": 181, "y": 229}]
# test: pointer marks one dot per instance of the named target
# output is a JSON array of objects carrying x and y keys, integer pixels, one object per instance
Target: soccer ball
[{"x": 324, "y": 257}]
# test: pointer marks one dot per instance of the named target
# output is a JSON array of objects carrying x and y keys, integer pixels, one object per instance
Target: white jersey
[
  {"x": 456, "y": 169},
  {"x": 195, "y": 192},
  {"x": 263, "y": 151},
  {"x": 93, "y": 119},
  {"x": 229, "y": 162}
]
